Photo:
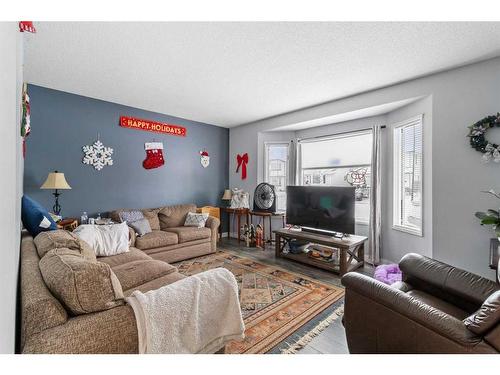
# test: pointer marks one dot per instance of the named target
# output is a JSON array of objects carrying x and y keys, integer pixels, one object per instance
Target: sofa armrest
[
  {"x": 398, "y": 301},
  {"x": 109, "y": 331},
  {"x": 213, "y": 223},
  {"x": 132, "y": 236},
  {"x": 428, "y": 274}
]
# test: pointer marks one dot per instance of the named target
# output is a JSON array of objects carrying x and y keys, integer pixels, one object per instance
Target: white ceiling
[{"x": 229, "y": 74}]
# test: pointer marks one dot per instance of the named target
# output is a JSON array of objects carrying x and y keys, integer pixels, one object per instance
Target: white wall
[
  {"x": 395, "y": 243},
  {"x": 459, "y": 98},
  {"x": 11, "y": 171}
]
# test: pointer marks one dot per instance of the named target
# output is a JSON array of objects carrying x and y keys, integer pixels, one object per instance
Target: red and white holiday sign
[{"x": 152, "y": 126}]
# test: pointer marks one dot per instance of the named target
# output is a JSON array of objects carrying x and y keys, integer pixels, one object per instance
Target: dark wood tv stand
[{"x": 351, "y": 249}]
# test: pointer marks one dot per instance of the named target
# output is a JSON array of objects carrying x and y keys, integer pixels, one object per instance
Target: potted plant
[{"x": 491, "y": 217}]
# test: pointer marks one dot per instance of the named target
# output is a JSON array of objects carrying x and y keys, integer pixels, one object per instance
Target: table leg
[
  {"x": 277, "y": 245},
  {"x": 239, "y": 228},
  {"x": 343, "y": 261}
]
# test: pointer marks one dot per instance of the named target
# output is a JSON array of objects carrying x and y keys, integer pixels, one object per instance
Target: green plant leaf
[
  {"x": 493, "y": 213},
  {"x": 480, "y": 215},
  {"x": 490, "y": 220}
]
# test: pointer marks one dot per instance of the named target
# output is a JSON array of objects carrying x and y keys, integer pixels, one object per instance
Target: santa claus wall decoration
[
  {"x": 204, "y": 158},
  {"x": 154, "y": 155}
]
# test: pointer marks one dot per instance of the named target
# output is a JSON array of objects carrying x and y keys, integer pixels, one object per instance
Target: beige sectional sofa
[
  {"x": 50, "y": 325},
  {"x": 170, "y": 241}
]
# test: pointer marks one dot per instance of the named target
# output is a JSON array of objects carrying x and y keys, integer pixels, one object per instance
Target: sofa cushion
[
  {"x": 82, "y": 286},
  {"x": 438, "y": 303},
  {"x": 130, "y": 256},
  {"x": 156, "y": 238},
  {"x": 174, "y": 216},
  {"x": 187, "y": 234},
  {"x": 151, "y": 214},
  {"x": 58, "y": 239},
  {"x": 139, "y": 272},
  {"x": 35, "y": 218},
  {"x": 486, "y": 317},
  {"x": 156, "y": 283}
]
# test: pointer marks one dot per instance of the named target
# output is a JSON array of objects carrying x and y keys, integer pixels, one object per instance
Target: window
[
  {"x": 407, "y": 171},
  {"x": 276, "y": 168},
  {"x": 343, "y": 160}
]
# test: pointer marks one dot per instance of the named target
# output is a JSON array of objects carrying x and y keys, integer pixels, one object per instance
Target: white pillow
[
  {"x": 106, "y": 240},
  {"x": 195, "y": 220}
]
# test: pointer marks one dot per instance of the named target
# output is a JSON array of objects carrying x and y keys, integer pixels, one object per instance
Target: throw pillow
[
  {"x": 131, "y": 216},
  {"x": 57, "y": 239},
  {"x": 196, "y": 220},
  {"x": 82, "y": 286},
  {"x": 35, "y": 218},
  {"x": 141, "y": 226},
  {"x": 106, "y": 240}
]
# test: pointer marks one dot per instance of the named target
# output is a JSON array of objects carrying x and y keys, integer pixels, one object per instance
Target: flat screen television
[{"x": 321, "y": 208}]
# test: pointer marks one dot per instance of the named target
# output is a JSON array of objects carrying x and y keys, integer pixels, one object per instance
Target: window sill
[{"x": 412, "y": 231}]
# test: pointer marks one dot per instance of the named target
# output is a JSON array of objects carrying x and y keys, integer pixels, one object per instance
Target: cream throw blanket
[{"x": 198, "y": 314}]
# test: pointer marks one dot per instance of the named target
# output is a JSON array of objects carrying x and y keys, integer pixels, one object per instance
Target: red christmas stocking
[{"x": 154, "y": 155}]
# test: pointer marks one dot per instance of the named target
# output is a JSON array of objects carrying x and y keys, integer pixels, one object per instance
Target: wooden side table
[
  {"x": 239, "y": 212},
  {"x": 262, "y": 215},
  {"x": 211, "y": 211},
  {"x": 69, "y": 224},
  {"x": 351, "y": 249}
]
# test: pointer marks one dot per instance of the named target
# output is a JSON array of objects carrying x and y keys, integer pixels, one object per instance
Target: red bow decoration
[{"x": 242, "y": 161}]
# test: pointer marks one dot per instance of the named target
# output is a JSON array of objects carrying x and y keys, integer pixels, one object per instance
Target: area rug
[{"x": 275, "y": 302}]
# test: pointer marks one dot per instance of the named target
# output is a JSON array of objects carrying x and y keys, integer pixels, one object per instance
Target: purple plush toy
[{"x": 388, "y": 273}]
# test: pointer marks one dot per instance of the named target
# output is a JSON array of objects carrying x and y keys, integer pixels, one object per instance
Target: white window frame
[
  {"x": 397, "y": 180},
  {"x": 300, "y": 170},
  {"x": 267, "y": 144}
]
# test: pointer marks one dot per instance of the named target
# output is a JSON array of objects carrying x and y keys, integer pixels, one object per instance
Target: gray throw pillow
[
  {"x": 141, "y": 226},
  {"x": 196, "y": 220},
  {"x": 131, "y": 216}
]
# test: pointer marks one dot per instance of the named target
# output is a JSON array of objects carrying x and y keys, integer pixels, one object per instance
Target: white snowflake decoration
[{"x": 97, "y": 155}]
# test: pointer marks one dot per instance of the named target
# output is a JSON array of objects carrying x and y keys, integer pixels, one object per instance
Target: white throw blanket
[{"x": 198, "y": 314}]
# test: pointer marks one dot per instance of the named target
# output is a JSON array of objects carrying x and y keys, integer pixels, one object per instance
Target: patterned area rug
[{"x": 275, "y": 302}]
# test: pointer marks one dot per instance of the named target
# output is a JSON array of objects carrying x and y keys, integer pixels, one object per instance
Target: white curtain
[
  {"x": 292, "y": 163},
  {"x": 375, "y": 225}
]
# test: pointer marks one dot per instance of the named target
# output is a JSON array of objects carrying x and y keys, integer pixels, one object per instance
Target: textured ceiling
[{"x": 229, "y": 74}]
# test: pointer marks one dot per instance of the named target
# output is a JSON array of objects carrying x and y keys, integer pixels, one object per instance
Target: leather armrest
[
  {"x": 427, "y": 273},
  {"x": 398, "y": 301}
]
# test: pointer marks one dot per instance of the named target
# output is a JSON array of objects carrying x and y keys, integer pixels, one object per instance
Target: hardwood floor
[{"x": 332, "y": 340}]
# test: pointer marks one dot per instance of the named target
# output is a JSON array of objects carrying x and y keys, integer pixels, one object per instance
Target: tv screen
[{"x": 328, "y": 208}]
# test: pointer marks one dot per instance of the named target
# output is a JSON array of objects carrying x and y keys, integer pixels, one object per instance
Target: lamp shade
[
  {"x": 55, "y": 180},
  {"x": 227, "y": 195}
]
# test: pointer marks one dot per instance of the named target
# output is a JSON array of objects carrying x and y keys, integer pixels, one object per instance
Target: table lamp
[
  {"x": 227, "y": 196},
  {"x": 56, "y": 180}
]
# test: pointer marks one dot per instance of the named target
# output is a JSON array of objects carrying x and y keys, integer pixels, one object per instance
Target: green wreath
[{"x": 478, "y": 140}]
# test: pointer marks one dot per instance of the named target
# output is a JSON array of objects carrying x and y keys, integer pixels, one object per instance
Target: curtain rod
[{"x": 342, "y": 133}]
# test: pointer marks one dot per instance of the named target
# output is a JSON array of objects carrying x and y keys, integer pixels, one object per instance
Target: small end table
[
  {"x": 239, "y": 212},
  {"x": 262, "y": 218}
]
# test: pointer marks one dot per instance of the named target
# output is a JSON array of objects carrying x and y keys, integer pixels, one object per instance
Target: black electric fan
[{"x": 264, "y": 198}]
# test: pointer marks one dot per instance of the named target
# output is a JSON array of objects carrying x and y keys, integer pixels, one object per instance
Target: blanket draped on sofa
[{"x": 198, "y": 314}]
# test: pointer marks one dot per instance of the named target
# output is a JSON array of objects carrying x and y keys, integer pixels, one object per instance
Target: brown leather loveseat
[{"x": 437, "y": 308}]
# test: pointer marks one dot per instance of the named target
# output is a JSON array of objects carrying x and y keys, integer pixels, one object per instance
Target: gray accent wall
[{"x": 62, "y": 123}]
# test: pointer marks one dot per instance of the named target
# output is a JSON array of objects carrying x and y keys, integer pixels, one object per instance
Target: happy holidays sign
[{"x": 152, "y": 126}]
